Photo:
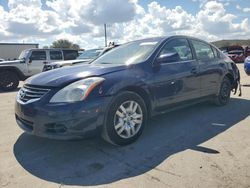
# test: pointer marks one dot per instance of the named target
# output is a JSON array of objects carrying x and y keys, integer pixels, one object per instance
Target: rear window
[
  {"x": 70, "y": 54},
  {"x": 55, "y": 55},
  {"x": 203, "y": 50},
  {"x": 38, "y": 55}
]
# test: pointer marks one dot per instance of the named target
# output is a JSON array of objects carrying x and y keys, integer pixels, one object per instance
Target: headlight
[{"x": 76, "y": 91}]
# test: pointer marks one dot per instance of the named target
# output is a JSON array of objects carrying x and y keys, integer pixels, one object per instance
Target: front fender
[{"x": 20, "y": 75}]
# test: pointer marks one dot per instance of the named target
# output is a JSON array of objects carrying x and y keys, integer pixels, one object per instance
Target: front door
[
  {"x": 36, "y": 61},
  {"x": 177, "y": 79}
]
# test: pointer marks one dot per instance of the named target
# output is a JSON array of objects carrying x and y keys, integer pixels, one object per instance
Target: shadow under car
[{"x": 94, "y": 162}]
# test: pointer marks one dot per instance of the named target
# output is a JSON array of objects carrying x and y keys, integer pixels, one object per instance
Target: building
[{"x": 10, "y": 51}]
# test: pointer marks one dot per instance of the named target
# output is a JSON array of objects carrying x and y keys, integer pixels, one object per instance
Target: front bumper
[{"x": 64, "y": 121}]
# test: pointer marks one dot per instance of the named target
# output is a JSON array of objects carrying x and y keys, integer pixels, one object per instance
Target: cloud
[
  {"x": 82, "y": 21},
  {"x": 214, "y": 19},
  {"x": 28, "y": 3},
  {"x": 95, "y": 11},
  {"x": 246, "y": 9},
  {"x": 238, "y": 7}
]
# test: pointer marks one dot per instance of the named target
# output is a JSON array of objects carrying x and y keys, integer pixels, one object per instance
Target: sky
[{"x": 81, "y": 21}]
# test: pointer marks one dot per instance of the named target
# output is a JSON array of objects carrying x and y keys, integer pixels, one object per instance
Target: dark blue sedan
[{"x": 116, "y": 94}]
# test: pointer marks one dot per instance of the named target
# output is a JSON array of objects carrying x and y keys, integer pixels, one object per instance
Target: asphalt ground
[{"x": 199, "y": 146}]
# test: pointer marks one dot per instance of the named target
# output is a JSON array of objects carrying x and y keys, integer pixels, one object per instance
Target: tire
[
  {"x": 224, "y": 94},
  {"x": 125, "y": 128},
  {"x": 8, "y": 81}
]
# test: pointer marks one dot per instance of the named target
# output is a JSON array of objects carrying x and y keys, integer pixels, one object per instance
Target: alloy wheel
[{"x": 128, "y": 119}]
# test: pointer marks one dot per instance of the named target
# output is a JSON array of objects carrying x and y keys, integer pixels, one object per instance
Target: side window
[
  {"x": 70, "y": 54},
  {"x": 203, "y": 50},
  {"x": 55, "y": 55},
  {"x": 38, "y": 55},
  {"x": 178, "y": 49}
]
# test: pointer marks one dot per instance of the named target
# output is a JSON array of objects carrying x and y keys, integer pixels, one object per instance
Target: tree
[
  {"x": 75, "y": 46},
  {"x": 64, "y": 43}
]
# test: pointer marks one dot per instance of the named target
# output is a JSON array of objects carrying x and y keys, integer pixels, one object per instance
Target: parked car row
[
  {"x": 34, "y": 61},
  {"x": 236, "y": 53},
  {"x": 116, "y": 93}
]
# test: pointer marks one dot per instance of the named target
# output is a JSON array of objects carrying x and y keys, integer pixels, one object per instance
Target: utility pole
[{"x": 105, "y": 33}]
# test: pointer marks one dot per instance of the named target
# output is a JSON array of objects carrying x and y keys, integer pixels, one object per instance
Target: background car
[
  {"x": 30, "y": 62},
  {"x": 247, "y": 65},
  {"x": 116, "y": 94},
  {"x": 236, "y": 53},
  {"x": 85, "y": 57}
]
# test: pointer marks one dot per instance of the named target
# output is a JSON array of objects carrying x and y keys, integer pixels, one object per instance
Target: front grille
[{"x": 31, "y": 93}]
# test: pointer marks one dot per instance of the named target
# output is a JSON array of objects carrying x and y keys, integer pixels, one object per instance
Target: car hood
[
  {"x": 64, "y": 76},
  {"x": 4, "y": 63}
]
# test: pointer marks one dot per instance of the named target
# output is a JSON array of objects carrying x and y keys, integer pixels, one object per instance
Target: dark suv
[{"x": 119, "y": 91}]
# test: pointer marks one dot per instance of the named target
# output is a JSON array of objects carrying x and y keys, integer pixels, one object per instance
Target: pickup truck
[{"x": 29, "y": 63}]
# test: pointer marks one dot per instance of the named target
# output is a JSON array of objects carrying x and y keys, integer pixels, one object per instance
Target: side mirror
[{"x": 168, "y": 58}]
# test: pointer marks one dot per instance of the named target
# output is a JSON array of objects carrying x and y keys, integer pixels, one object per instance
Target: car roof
[{"x": 50, "y": 49}]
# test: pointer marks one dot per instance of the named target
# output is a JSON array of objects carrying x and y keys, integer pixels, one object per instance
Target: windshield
[
  {"x": 23, "y": 54},
  {"x": 130, "y": 53},
  {"x": 90, "y": 54}
]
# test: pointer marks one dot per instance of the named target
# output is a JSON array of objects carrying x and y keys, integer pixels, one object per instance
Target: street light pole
[{"x": 105, "y": 32}]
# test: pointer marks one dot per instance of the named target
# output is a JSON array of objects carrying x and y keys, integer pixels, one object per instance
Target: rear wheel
[
  {"x": 8, "y": 81},
  {"x": 125, "y": 120},
  {"x": 224, "y": 94}
]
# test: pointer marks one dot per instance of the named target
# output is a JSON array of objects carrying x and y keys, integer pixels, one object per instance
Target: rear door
[
  {"x": 55, "y": 55},
  {"x": 36, "y": 62},
  {"x": 209, "y": 66},
  {"x": 176, "y": 80}
]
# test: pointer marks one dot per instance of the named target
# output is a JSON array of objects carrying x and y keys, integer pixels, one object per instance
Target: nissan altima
[{"x": 116, "y": 94}]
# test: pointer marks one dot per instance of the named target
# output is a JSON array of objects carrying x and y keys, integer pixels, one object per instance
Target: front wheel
[
  {"x": 8, "y": 81},
  {"x": 224, "y": 94},
  {"x": 125, "y": 119}
]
